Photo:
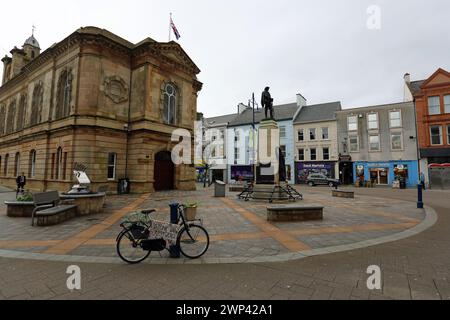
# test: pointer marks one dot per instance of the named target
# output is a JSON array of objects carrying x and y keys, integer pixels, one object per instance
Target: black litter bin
[{"x": 123, "y": 186}]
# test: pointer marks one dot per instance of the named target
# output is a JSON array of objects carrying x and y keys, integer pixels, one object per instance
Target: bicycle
[{"x": 140, "y": 238}]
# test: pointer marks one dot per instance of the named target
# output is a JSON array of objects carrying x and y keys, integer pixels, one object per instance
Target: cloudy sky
[{"x": 322, "y": 49}]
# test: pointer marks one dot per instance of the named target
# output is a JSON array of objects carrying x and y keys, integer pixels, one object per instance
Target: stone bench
[
  {"x": 343, "y": 194},
  {"x": 56, "y": 215},
  {"x": 294, "y": 213},
  {"x": 48, "y": 211},
  {"x": 18, "y": 209}
]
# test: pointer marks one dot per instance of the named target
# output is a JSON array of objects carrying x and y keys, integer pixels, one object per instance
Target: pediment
[
  {"x": 176, "y": 54},
  {"x": 440, "y": 77}
]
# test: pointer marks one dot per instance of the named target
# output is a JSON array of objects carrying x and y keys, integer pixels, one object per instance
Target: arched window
[
  {"x": 21, "y": 112},
  {"x": 170, "y": 104},
  {"x": 59, "y": 159},
  {"x": 0, "y": 163},
  {"x": 2, "y": 119},
  {"x": 10, "y": 121},
  {"x": 5, "y": 167},
  {"x": 64, "y": 94},
  {"x": 36, "y": 104},
  {"x": 17, "y": 165},
  {"x": 32, "y": 166}
]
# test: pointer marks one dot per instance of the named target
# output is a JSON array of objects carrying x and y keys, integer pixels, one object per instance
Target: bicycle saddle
[{"x": 148, "y": 211}]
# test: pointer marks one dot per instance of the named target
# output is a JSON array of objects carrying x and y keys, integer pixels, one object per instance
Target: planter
[
  {"x": 17, "y": 209},
  {"x": 191, "y": 213}
]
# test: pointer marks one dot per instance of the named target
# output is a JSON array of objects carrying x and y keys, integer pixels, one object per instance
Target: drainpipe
[{"x": 129, "y": 118}]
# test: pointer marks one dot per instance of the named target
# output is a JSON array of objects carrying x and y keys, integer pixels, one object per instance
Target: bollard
[
  {"x": 174, "y": 218},
  {"x": 419, "y": 196}
]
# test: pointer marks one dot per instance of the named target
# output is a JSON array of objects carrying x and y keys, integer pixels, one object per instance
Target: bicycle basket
[
  {"x": 139, "y": 233},
  {"x": 154, "y": 245}
]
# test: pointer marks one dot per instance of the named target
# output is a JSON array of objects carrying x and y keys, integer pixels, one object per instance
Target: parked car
[{"x": 320, "y": 179}]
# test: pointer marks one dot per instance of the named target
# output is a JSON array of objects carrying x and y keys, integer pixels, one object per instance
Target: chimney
[
  {"x": 407, "y": 78},
  {"x": 6, "y": 69},
  {"x": 241, "y": 108},
  {"x": 18, "y": 61},
  {"x": 301, "y": 101}
]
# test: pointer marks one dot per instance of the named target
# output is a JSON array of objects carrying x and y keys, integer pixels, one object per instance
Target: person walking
[{"x": 21, "y": 182}]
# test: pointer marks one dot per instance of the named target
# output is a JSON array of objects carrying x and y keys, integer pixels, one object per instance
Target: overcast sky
[{"x": 322, "y": 49}]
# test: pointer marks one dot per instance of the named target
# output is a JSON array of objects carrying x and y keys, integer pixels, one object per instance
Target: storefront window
[
  {"x": 379, "y": 176},
  {"x": 305, "y": 169},
  {"x": 242, "y": 173},
  {"x": 360, "y": 179},
  {"x": 401, "y": 173}
]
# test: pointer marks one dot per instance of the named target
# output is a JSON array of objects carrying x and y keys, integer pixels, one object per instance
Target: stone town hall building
[{"x": 96, "y": 99}]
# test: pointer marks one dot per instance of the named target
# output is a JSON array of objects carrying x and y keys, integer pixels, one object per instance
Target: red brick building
[{"x": 432, "y": 99}]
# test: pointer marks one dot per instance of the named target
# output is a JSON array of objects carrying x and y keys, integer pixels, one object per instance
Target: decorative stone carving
[{"x": 116, "y": 89}]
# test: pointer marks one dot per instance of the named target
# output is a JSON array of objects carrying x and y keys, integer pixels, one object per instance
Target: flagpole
[{"x": 170, "y": 27}]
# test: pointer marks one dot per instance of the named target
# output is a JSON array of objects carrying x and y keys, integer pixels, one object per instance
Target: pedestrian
[{"x": 21, "y": 182}]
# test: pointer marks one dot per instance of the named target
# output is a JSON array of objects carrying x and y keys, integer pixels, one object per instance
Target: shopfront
[
  {"x": 387, "y": 173},
  {"x": 304, "y": 169},
  {"x": 242, "y": 173}
]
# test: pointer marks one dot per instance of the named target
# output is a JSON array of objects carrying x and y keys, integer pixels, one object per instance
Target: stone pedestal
[{"x": 268, "y": 141}]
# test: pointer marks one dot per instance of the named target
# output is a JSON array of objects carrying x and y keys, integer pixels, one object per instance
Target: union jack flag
[{"x": 175, "y": 30}]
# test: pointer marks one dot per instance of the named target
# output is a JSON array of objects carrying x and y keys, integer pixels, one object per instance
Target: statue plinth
[{"x": 268, "y": 142}]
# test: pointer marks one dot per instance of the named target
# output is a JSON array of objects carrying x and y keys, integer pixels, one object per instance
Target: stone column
[{"x": 268, "y": 144}]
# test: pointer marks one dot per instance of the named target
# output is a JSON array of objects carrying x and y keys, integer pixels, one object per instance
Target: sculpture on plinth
[{"x": 267, "y": 103}]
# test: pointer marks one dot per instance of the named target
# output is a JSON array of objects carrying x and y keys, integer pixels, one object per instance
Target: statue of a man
[{"x": 267, "y": 103}]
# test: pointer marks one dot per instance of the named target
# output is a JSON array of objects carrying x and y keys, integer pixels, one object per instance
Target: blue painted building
[{"x": 387, "y": 172}]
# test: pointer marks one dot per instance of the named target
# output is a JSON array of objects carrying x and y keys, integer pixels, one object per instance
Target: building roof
[
  {"x": 318, "y": 112},
  {"x": 221, "y": 120},
  {"x": 32, "y": 42},
  {"x": 408, "y": 104},
  {"x": 281, "y": 113},
  {"x": 414, "y": 86}
]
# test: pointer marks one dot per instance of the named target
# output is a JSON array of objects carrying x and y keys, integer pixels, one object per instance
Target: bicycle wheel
[
  {"x": 193, "y": 241},
  {"x": 129, "y": 249}
]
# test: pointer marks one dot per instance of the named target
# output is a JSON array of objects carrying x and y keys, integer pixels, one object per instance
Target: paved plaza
[
  {"x": 416, "y": 267},
  {"x": 239, "y": 230}
]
